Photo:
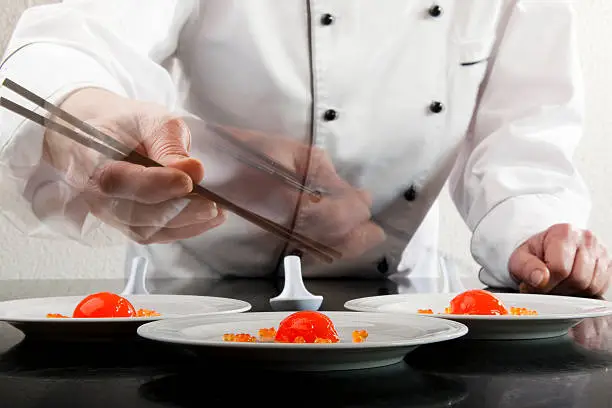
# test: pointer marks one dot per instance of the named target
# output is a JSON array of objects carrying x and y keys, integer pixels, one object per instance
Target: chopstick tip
[{"x": 8, "y": 83}]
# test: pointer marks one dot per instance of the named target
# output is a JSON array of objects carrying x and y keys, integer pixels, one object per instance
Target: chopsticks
[{"x": 117, "y": 151}]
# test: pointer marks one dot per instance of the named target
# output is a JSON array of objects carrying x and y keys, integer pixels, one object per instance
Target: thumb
[
  {"x": 169, "y": 145},
  {"x": 528, "y": 268}
]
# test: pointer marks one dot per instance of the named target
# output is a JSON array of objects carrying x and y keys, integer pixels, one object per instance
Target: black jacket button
[
  {"x": 383, "y": 266},
  {"x": 327, "y": 19},
  {"x": 410, "y": 194},
  {"x": 330, "y": 115},
  {"x": 436, "y": 107},
  {"x": 435, "y": 11}
]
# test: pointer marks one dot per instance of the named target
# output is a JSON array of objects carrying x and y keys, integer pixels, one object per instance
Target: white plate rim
[
  {"x": 241, "y": 307},
  {"x": 605, "y": 308},
  {"x": 148, "y": 331}
]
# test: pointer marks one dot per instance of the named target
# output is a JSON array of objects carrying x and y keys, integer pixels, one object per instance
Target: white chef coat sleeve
[
  {"x": 515, "y": 176},
  {"x": 117, "y": 45}
]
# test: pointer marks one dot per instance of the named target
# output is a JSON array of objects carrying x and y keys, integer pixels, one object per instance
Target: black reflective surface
[{"x": 571, "y": 371}]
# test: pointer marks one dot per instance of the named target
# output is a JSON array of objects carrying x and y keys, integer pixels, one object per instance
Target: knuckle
[
  {"x": 564, "y": 231},
  {"x": 589, "y": 239}
]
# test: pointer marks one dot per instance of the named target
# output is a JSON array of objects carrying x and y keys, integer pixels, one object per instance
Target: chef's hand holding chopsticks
[
  {"x": 150, "y": 204},
  {"x": 147, "y": 204},
  {"x": 340, "y": 218}
]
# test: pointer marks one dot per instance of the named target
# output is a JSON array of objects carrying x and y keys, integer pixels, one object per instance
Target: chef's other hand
[
  {"x": 562, "y": 260},
  {"x": 340, "y": 219},
  {"x": 149, "y": 205}
]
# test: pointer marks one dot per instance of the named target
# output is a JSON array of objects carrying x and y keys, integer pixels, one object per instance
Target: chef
[{"x": 376, "y": 105}]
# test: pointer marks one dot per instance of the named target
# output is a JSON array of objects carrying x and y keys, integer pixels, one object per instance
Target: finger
[
  {"x": 581, "y": 275},
  {"x": 172, "y": 214},
  {"x": 601, "y": 279},
  {"x": 149, "y": 185},
  {"x": 168, "y": 141},
  {"x": 360, "y": 240},
  {"x": 607, "y": 280},
  {"x": 168, "y": 235},
  {"x": 161, "y": 235},
  {"x": 53, "y": 199},
  {"x": 559, "y": 255},
  {"x": 528, "y": 269},
  {"x": 192, "y": 167}
]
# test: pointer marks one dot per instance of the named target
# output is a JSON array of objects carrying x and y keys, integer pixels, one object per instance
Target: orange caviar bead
[
  {"x": 56, "y": 316},
  {"x": 146, "y": 313},
  {"x": 244, "y": 338},
  {"x": 522, "y": 311},
  {"x": 267, "y": 334},
  {"x": 359, "y": 336},
  {"x": 239, "y": 338},
  {"x": 299, "y": 339},
  {"x": 425, "y": 311},
  {"x": 320, "y": 340}
]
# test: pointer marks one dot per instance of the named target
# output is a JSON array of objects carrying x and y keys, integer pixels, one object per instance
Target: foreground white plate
[
  {"x": 556, "y": 314},
  {"x": 29, "y": 315},
  {"x": 390, "y": 338}
]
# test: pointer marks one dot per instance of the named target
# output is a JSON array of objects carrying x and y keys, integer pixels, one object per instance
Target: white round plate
[
  {"x": 390, "y": 338},
  {"x": 29, "y": 315},
  {"x": 556, "y": 314}
]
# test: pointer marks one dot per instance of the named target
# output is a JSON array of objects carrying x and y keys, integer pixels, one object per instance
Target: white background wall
[{"x": 23, "y": 258}]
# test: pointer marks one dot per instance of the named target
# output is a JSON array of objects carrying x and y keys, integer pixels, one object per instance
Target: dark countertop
[{"x": 571, "y": 371}]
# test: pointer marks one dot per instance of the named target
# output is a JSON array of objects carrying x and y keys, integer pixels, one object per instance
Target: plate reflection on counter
[
  {"x": 555, "y": 372},
  {"x": 36, "y": 359},
  {"x": 391, "y": 386}
]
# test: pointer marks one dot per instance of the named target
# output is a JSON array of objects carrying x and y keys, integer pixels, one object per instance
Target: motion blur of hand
[
  {"x": 148, "y": 205},
  {"x": 562, "y": 260},
  {"x": 154, "y": 205},
  {"x": 340, "y": 218}
]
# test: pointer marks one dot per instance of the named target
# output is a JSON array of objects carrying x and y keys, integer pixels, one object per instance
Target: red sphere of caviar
[
  {"x": 477, "y": 302},
  {"x": 308, "y": 325},
  {"x": 104, "y": 304}
]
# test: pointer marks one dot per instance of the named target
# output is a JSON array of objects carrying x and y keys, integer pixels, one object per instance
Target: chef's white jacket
[{"x": 486, "y": 94}]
